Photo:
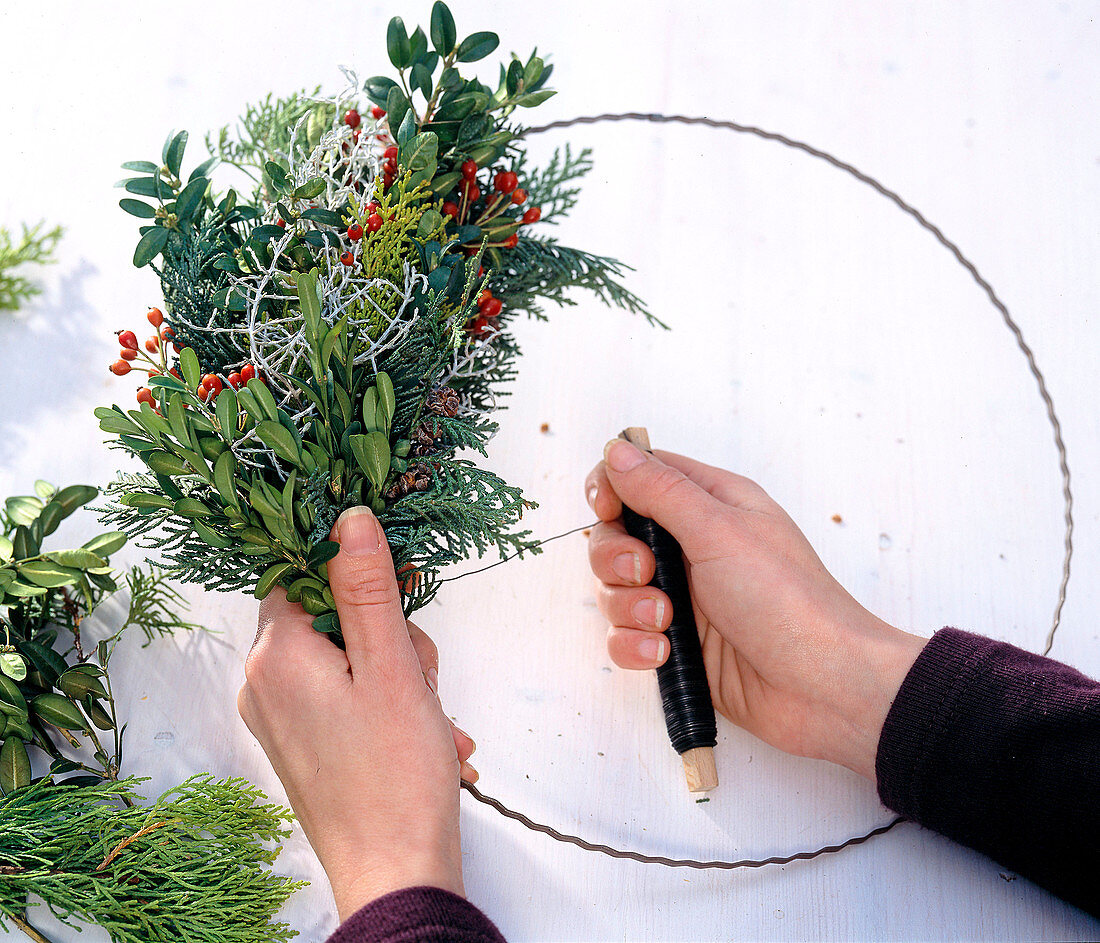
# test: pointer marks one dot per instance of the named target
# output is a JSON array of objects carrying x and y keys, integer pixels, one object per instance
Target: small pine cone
[
  {"x": 417, "y": 478},
  {"x": 424, "y": 435},
  {"x": 443, "y": 402},
  {"x": 422, "y": 478}
]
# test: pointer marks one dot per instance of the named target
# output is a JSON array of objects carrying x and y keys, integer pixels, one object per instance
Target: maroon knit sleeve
[
  {"x": 418, "y": 915},
  {"x": 999, "y": 749}
]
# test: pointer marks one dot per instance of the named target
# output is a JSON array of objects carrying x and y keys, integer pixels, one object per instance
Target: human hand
[
  {"x": 790, "y": 655},
  {"x": 370, "y": 763}
]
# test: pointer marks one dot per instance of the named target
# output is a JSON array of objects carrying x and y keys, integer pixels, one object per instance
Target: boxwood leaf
[
  {"x": 477, "y": 46},
  {"x": 150, "y": 246},
  {"x": 442, "y": 28},
  {"x": 397, "y": 44},
  {"x": 15, "y": 765},
  {"x": 138, "y": 209},
  {"x": 106, "y": 544},
  {"x": 269, "y": 578}
]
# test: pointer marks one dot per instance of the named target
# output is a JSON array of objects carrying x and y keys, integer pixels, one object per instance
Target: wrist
[
  {"x": 354, "y": 888},
  {"x": 873, "y": 669}
]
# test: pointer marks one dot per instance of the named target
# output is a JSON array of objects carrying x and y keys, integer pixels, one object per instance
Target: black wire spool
[{"x": 682, "y": 679}]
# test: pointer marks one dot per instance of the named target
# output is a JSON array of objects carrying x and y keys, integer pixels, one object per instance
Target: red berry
[
  {"x": 213, "y": 382},
  {"x": 351, "y": 118},
  {"x": 203, "y": 393},
  {"x": 248, "y": 372},
  {"x": 176, "y": 374},
  {"x": 471, "y": 191},
  {"x": 390, "y": 153},
  {"x": 128, "y": 339},
  {"x": 127, "y": 354},
  {"x": 511, "y": 242},
  {"x": 450, "y": 209},
  {"x": 481, "y": 271},
  {"x": 484, "y": 297},
  {"x": 120, "y": 368},
  {"x": 355, "y": 232},
  {"x": 281, "y": 223},
  {"x": 373, "y": 207},
  {"x": 389, "y": 168},
  {"x": 378, "y": 112},
  {"x": 152, "y": 344},
  {"x": 166, "y": 332},
  {"x": 145, "y": 395},
  {"x": 235, "y": 380},
  {"x": 374, "y": 222},
  {"x": 532, "y": 215},
  {"x": 506, "y": 181},
  {"x": 491, "y": 308},
  {"x": 519, "y": 195},
  {"x": 156, "y": 317},
  {"x": 469, "y": 169},
  {"x": 480, "y": 326},
  {"x": 347, "y": 258}
]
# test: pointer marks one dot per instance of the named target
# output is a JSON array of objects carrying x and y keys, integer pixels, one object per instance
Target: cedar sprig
[{"x": 194, "y": 865}]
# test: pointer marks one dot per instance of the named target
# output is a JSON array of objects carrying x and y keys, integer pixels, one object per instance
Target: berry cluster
[{"x": 154, "y": 362}]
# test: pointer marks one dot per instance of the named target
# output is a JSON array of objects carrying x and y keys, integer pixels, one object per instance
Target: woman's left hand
[{"x": 370, "y": 763}]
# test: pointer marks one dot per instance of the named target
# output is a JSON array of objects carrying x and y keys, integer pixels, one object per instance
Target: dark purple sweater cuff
[
  {"x": 418, "y": 915},
  {"x": 999, "y": 749}
]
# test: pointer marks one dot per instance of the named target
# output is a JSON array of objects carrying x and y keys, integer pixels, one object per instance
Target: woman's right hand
[{"x": 790, "y": 655}]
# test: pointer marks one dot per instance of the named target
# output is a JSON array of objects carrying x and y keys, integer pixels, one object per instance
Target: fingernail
[
  {"x": 653, "y": 649},
  {"x": 649, "y": 611},
  {"x": 431, "y": 677},
  {"x": 622, "y": 456},
  {"x": 628, "y": 566},
  {"x": 358, "y": 532},
  {"x": 473, "y": 746},
  {"x": 593, "y": 493}
]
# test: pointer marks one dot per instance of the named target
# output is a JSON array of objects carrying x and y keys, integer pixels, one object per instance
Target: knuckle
[
  {"x": 367, "y": 586},
  {"x": 669, "y": 485}
]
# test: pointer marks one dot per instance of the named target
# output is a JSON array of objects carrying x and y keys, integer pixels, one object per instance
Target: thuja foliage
[
  {"x": 191, "y": 866},
  {"x": 341, "y": 335},
  {"x": 34, "y": 246}
]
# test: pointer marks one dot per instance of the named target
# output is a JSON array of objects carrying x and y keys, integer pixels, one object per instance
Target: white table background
[{"x": 822, "y": 343}]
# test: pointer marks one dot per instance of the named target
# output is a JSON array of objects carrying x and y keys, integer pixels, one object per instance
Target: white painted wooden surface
[{"x": 822, "y": 343}]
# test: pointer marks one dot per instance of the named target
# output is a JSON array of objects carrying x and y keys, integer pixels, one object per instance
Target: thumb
[
  {"x": 365, "y": 589},
  {"x": 655, "y": 490}
]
